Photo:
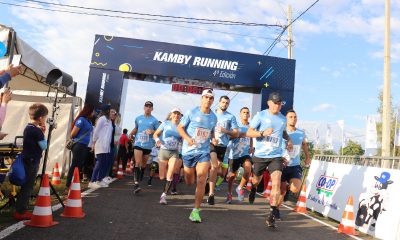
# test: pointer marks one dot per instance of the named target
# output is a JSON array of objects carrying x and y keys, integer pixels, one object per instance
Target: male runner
[
  {"x": 240, "y": 156},
  {"x": 225, "y": 129},
  {"x": 268, "y": 127},
  {"x": 293, "y": 173},
  {"x": 145, "y": 126},
  {"x": 197, "y": 128}
]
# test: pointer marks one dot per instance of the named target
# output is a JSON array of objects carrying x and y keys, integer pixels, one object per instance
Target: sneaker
[
  {"x": 174, "y": 192},
  {"x": 252, "y": 195},
  {"x": 106, "y": 180},
  {"x": 22, "y": 216},
  {"x": 93, "y": 185},
  {"x": 278, "y": 215},
  {"x": 195, "y": 215},
  {"x": 271, "y": 219},
  {"x": 136, "y": 188},
  {"x": 102, "y": 184},
  {"x": 229, "y": 199},
  {"x": 240, "y": 193},
  {"x": 149, "y": 183},
  {"x": 163, "y": 199},
  {"x": 210, "y": 200}
]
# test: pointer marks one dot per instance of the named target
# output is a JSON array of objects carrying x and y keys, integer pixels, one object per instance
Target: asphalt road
[{"x": 116, "y": 213}]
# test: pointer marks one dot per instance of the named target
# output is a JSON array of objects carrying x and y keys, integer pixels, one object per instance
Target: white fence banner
[{"x": 375, "y": 192}]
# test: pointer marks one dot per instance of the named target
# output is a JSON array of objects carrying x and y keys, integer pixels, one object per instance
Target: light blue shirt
[
  {"x": 269, "y": 146},
  {"x": 142, "y": 139},
  {"x": 198, "y": 126},
  {"x": 170, "y": 137},
  {"x": 297, "y": 138},
  {"x": 228, "y": 122},
  {"x": 240, "y": 146}
]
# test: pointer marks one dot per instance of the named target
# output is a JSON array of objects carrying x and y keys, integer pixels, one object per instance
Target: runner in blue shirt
[
  {"x": 197, "y": 129},
  {"x": 240, "y": 156},
  {"x": 145, "y": 126},
  {"x": 225, "y": 129},
  {"x": 268, "y": 127},
  {"x": 292, "y": 174}
]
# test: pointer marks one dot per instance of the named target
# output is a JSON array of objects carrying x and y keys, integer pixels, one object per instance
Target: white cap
[
  {"x": 176, "y": 110},
  {"x": 208, "y": 92}
]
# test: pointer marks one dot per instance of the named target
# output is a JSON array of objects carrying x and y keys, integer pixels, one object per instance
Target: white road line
[{"x": 19, "y": 225}]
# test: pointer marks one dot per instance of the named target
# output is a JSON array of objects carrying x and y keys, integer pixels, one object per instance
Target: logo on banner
[{"x": 326, "y": 185}]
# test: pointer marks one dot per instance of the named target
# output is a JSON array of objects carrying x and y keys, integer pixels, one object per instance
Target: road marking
[{"x": 19, "y": 225}]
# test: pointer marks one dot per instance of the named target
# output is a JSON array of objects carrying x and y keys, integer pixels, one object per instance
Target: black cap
[
  {"x": 148, "y": 103},
  {"x": 275, "y": 97}
]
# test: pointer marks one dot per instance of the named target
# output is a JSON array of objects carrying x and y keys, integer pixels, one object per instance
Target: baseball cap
[
  {"x": 176, "y": 110},
  {"x": 208, "y": 92},
  {"x": 275, "y": 97},
  {"x": 148, "y": 103}
]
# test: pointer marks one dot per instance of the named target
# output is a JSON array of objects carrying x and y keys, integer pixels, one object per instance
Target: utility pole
[
  {"x": 386, "y": 89},
  {"x": 290, "y": 37}
]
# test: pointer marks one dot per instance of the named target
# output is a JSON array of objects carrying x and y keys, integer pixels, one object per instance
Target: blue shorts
[
  {"x": 291, "y": 172},
  {"x": 191, "y": 160}
]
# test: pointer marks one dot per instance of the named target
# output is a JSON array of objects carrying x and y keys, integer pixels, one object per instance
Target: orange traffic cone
[
  {"x": 73, "y": 207},
  {"x": 120, "y": 173},
  {"x": 128, "y": 170},
  {"x": 347, "y": 225},
  {"x": 301, "y": 202},
  {"x": 249, "y": 185},
  {"x": 42, "y": 215},
  {"x": 267, "y": 190},
  {"x": 56, "y": 179}
]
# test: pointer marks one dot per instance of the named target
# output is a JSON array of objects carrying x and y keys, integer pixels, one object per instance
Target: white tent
[{"x": 32, "y": 86}]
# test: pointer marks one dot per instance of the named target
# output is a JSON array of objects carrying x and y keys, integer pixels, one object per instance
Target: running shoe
[
  {"x": 195, "y": 215},
  {"x": 136, "y": 188},
  {"x": 163, "y": 199},
  {"x": 102, "y": 184},
  {"x": 149, "y": 183},
  {"x": 229, "y": 199},
  {"x": 271, "y": 220},
  {"x": 174, "y": 192},
  {"x": 240, "y": 193},
  {"x": 252, "y": 195},
  {"x": 93, "y": 185},
  {"x": 210, "y": 200}
]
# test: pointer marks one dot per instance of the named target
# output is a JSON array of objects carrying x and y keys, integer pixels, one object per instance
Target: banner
[
  {"x": 371, "y": 135},
  {"x": 374, "y": 190},
  {"x": 328, "y": 140}
]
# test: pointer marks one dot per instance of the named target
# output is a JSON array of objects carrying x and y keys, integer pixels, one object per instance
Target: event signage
[
  {"x": 187, "y": 88},
  {"x": 374, "y": 190}
]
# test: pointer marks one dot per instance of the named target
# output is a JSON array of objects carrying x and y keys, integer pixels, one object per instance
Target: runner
[
  {"x": 169, "y": 154},
  {"x": 225, "y": 129},
  {"x": 292, "y": 174},
  {"x": 268, "y": 127},
  {"x": 145, "y": 125},
  {"x": 152, "y": 165},
  {"x": 197, "y": 129},
  {"x": 240, "y": 156}
]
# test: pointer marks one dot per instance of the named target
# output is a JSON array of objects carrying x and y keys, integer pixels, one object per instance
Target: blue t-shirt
[
  {"x": 170, "y": 137},
  {"x": 85, "y": 129},
  {"x": 143, "y": 123},
  {"x": 198, "y": 126},
  {"x": 269, "y": 146},
  {"x": 31, "y": 148},
  {"x": 297, "y": 138},
  {"x": 228, "y": 122},
  {"x": 240, "y": 146}
]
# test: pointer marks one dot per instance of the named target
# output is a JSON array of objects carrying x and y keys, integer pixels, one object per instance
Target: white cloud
[{"x": 323, "y": 107}]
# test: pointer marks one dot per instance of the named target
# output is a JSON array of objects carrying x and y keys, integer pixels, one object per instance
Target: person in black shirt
[{"x": 33, "y": 145}]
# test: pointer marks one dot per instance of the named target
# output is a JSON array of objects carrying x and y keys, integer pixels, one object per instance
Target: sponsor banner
[{"x": 374, "y": 190}]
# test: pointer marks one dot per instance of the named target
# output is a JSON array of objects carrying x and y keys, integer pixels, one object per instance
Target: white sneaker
[
  {"x": 107, "y": 180},
  {"x": 93, "y": 185},
  {"x": 163, "y": 199},
  {"x": 102, "y": 184}
]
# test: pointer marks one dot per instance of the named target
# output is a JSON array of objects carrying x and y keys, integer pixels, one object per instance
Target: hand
[
  {"x": 285, "y": 162},
  {"x": 214, "y": 141},
  {"x": 13, "y": 71},
  {"x": 307, "y": 162},
  {"x": 268, "y": 131},
  {"x": 43, "y": 128},
  {"x": 3, "y": 135},
  {"x": 7, "y": 95},
  {"x": 191, "y": 142}
]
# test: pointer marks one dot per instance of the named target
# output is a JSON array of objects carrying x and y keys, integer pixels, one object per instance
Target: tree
[
  {"x": 324, "y": 151},
  {"x": 353, "y": 149},
  {"x": 311, "y": 151}
]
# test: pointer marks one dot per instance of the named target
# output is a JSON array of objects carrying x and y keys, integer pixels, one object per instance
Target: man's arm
[
  {"x": 251, "y": 132},
  {"x": 304, "y": 146}
]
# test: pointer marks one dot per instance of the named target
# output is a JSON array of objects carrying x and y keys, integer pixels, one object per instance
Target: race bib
[
  {"x": 143, "y": 137},
  {"x": 201, "y": 135},
  {"x": 295, "y": 151},
  {"x": 171, "y": 143},
  {"x": 271, "y": 142},
  {"x": 244, "y": 141}
]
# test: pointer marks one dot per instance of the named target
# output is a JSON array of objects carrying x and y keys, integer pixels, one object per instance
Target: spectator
[
  {"x": 82, "y": 129},
  {"x": 5, "y": 98},
  {"x": 8, "y": 73},
  {"x": 34, "y": 144},
  {"x": 123, "y": 148}
]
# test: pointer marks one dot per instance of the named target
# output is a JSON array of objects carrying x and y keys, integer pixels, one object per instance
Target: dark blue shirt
[
  {"x": 85, "y": 129},
  {"x": 32, "y": 136},
  {"x": 4, "y": 79}
]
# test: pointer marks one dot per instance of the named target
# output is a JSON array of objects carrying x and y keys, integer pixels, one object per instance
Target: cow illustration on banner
[{"x": 373, "y": 204}]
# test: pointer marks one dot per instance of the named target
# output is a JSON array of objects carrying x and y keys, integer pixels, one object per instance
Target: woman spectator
[{"x": 82, "y": 129}]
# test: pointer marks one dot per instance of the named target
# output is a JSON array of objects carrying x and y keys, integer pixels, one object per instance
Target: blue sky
[{"x": 338, "y": 49}]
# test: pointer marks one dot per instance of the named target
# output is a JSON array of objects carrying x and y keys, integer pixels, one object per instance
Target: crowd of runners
[{"x": 211, "y": 146}]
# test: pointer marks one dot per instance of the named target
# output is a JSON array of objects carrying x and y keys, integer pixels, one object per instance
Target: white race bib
[
  {"x": 171, "y": 143},
  {"x": 295, "y": 151},
  {"x": 201, "y": 135},
  {"x": 271, "y": 142},
  {"x": 143, "y": 137}
]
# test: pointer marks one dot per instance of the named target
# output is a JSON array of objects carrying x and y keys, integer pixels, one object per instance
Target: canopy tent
[{"x": 38, "y": 83}]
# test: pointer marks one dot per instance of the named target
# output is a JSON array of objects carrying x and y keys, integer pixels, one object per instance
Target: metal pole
[
  {"x": 386, "y": 89},
  {"x": 395, "y": 133},
  {"x": 290, "y": 37}
]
